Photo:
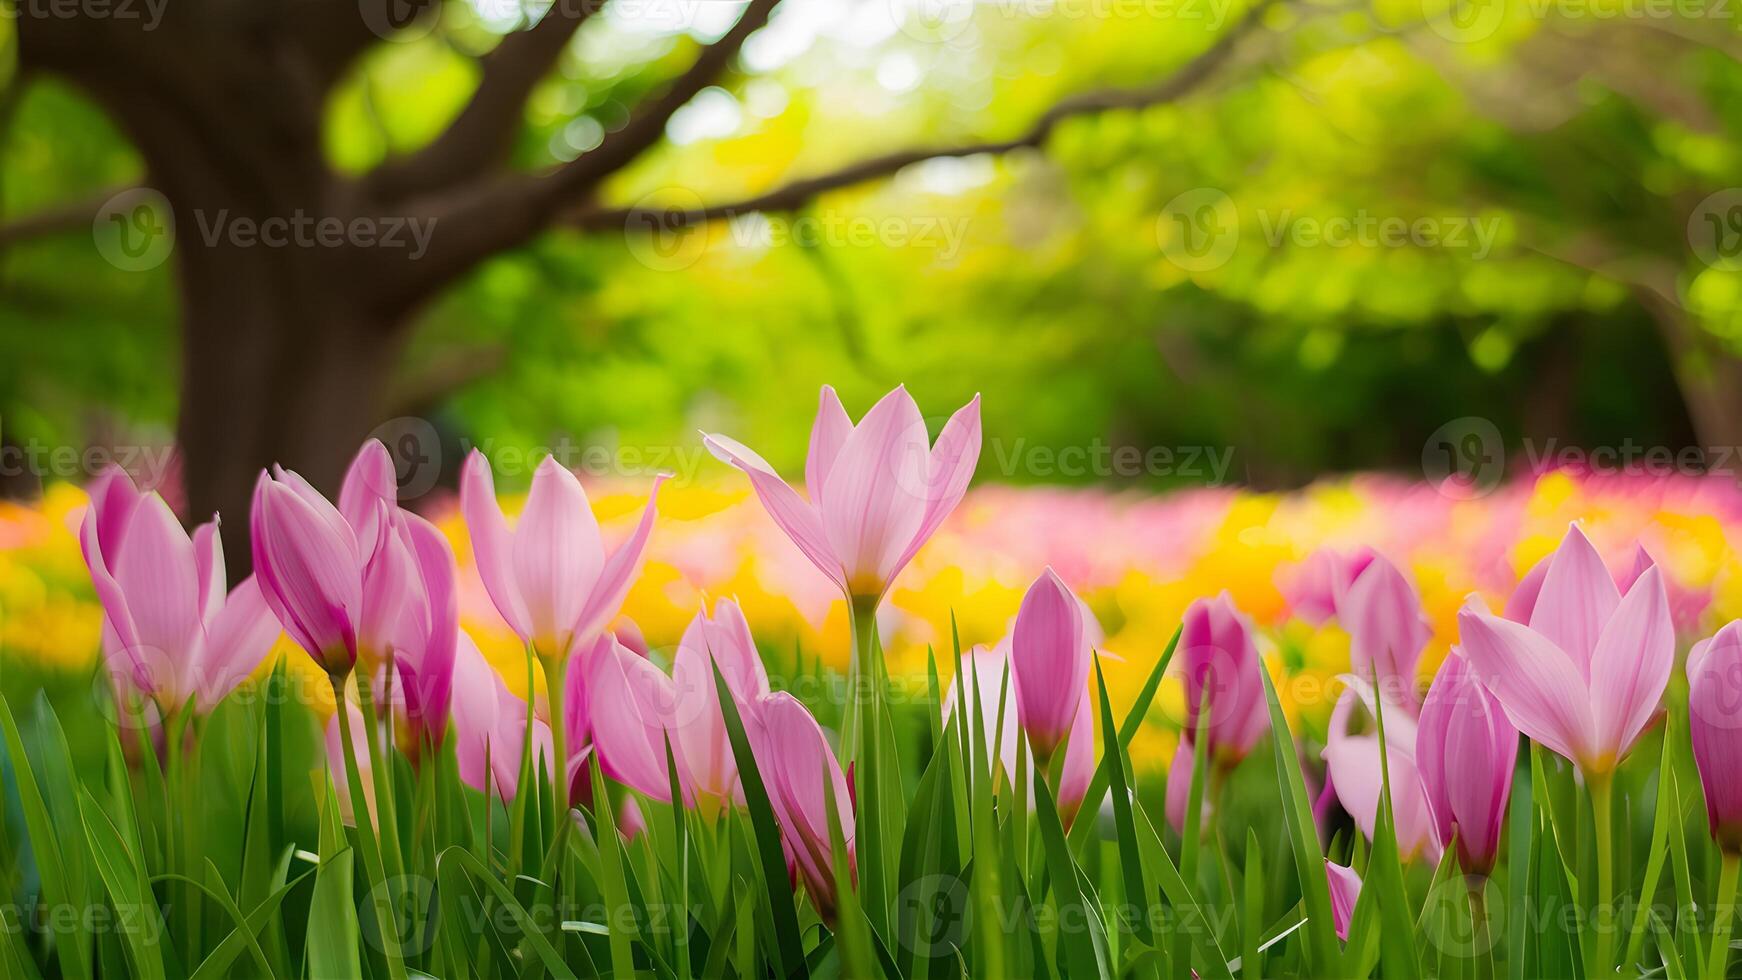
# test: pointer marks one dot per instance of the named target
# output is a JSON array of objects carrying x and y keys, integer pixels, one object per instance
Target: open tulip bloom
[
  {"x": 172, "y": 634},
  {"x": 877, "y": 491},
  {"x": 550, "y": 576}
]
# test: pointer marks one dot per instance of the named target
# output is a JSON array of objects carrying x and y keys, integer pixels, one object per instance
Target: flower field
[{"x": 874, "y": 722}]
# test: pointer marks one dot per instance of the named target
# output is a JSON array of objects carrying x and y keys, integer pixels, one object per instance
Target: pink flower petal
[
  {"x": 875, "y": 500},
  {"x": 369, "y": 482},
  {"x": 1049, "y": 662},
  {"x": 1538, "y": 685},
  {"x": 492, "y": 543},
  {"x": 1631, "y": 665},
  {"x": 558, "y": 555},
  {"x": 1578, "y": 596},
  {"x": 828, "y": 434},
  {"x": 158, "y": 574},
  {"x": 619, "y": 571},
  {"x": 800, "y": 520},
  {"x": 951, "y": 468},
  {"x": 239, "y": 638}
]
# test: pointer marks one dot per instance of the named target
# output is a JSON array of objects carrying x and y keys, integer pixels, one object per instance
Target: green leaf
[
  {"x": 457, "y": 860},
  {"x": 788, "y": 949},
  {"x": 1076, "y": 943},
  {"x": 1319, "y": 939},
  {"x": 1083, "y": 830},
  {"x": 140, "y": 923},
  {"x": 1137, "y": 888},
  {"x": 333, "y": 943},
  {"x": 61, "y": 871}
]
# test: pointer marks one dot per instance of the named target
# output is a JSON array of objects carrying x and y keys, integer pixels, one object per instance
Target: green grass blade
[
  {"x": 1082, "y": 830},
  {"x": 1319, "y": 940},
  {"x": 788, "y": 948},
  {"x": 140, "y": 922},
  {"x": 1076, "y": 943}
]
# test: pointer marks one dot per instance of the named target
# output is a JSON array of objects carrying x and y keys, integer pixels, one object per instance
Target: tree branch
[
  {"x": 59, "y": 219},
  {"x": 510, "y": 212},
  {"x": 647, "y": 125},
  {"x": 795, "y": 194},
  {"x": 483, "y": 132}
]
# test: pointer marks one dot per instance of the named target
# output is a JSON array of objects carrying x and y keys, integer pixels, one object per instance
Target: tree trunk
[{"x": 277, "y": 367}]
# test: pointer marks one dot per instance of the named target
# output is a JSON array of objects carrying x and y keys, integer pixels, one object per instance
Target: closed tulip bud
[
  {"x": 1218, "y": 653},
  {"x": 1715, "y": 726},
  {"x": 1465, "y": 752},
  {"x": 794, "y": 760},
  {"x": 1050, "y": 660}
]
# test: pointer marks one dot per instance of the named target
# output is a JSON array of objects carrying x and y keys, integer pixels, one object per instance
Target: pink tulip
[
  {"x": 1382, "y": 614},
  {"x": 550, "y": 577},
  {"x": 490, "y": 726},
  {"x": 1050, "y": 659},
  {"x": 878, "y": 490},
  {"x": 1315, "y": 587},
  {"x": 1352, "y": 763},
  {"x": 1345, "y": 887},
  {"x": 1217, "y": 650},
  {"x": 987, "y": 670},
  {"x": 1585, "y": 676},
  {"x": 310, "y": 568},
  {"x": 171, "y": 632},
  {"x": 1465, "y": 751},
  {"x": 634, "y": 710},
  {"x": 698, "y": 727},
  {"x": 424, "y": 640},
  {"x": 1715, "y": 726},
  {"x": 794, "y": 759}
]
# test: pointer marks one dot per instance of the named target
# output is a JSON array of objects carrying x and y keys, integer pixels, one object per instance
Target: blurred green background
[{"x": 1223, "y": 269}]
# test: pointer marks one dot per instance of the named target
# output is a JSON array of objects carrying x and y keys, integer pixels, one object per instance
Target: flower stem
[
  {"x": 1603, "y": 809},
  {"x": 555, "y": 677},
  {"x": 864, "y": 673},
  {"x": 378, "y": 891},
  {"x": 1481, "y": 945},
  {"x": 1724, "y": 915}
]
